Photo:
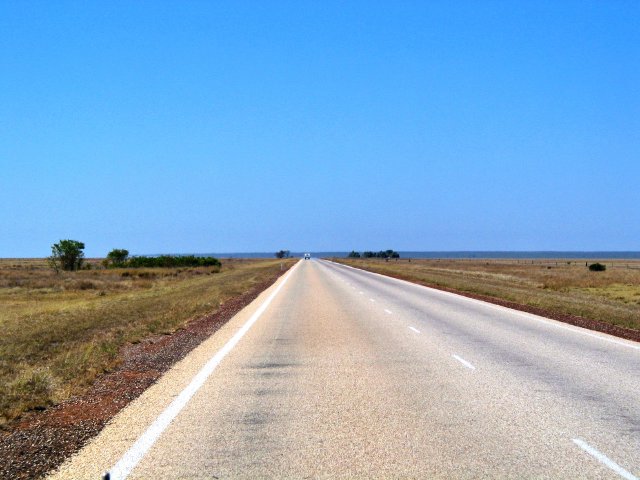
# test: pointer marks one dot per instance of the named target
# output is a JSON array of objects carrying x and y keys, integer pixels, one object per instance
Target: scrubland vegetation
[
  {"x": 610, "y": 294},
  {"x": 168, "y": 261},
  {"x": 386, "y": 254},
  {"x": 60, "y": 330}
]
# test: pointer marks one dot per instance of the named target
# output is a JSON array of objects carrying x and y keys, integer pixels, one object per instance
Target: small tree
[
  {"x": 282, "y": 254},
  {"x": 67, "y": 255},
  {"x": 117, "y": 257},
  {"x": 354, "y": 254}
]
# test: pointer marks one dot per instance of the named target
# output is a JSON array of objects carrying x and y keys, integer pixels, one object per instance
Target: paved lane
[{"x": 351, "y": 374}]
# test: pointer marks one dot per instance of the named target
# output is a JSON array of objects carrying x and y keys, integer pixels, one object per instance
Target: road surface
[{"x": 336, "y": 372}]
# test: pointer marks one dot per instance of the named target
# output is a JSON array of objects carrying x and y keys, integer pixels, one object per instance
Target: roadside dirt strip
[
  {"x": 41, "y": 442},
  {"x": 335, "y": 372}
]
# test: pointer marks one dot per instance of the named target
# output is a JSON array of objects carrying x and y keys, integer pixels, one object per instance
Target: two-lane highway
[{"x": 336, "y": 372}]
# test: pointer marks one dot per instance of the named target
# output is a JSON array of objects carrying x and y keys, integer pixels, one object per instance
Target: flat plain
[
  {"x": 559, "y": 286},
  {"x": 60, "y": 331}
]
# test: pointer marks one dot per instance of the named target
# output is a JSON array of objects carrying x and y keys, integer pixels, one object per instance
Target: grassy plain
[
  {"x": 561, "y": 286},
  {"x": 60, "y": 331}
]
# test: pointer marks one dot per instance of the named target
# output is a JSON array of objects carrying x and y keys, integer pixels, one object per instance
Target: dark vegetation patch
[
  {"x": 170, "y": 261},
  {"x": 597, "y": 267}
]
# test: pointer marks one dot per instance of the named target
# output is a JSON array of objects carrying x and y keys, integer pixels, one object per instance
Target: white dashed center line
[
  {"x": 371, "y": 300},
  {"x": 414, "y": 329},
  {"x": 464, "y": 362},
  {"x": 602, "y": 458},
  {"x": 388, "y": 311}
]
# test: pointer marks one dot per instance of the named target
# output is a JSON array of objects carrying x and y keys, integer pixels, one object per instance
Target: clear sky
[{"x": 253, "y": 126}]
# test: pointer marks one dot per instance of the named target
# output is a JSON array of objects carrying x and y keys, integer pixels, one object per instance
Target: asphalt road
[{"x": 350, "y": 374}]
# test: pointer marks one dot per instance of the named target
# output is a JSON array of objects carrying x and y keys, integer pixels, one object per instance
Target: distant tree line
[
  {"x": 117, "y": 258},
  {"x": 68, "y": 255},
  {"x": 386, "y": 254}
]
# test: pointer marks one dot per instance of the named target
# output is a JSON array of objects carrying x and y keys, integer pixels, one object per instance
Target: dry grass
[
  {"x": 60, "y": 331},
  {"x": 562, "y": 286}
]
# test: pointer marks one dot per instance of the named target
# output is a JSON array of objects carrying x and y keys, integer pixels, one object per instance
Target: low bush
[
  {"x": 597, "y": 267},
  {"x": 86, "y": 285}
]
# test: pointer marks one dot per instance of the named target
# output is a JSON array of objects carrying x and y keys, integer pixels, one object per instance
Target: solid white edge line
[
  {"x": 415, "y": 329},
  {"x": 463, "y": 361},
  {"x": 132, "y": 457},
  {"x": 602, "y": 458},
  {"x": 531, "y": 316}
]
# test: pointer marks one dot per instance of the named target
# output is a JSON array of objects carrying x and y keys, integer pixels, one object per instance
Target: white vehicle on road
[{"x": 307, "y": 256}]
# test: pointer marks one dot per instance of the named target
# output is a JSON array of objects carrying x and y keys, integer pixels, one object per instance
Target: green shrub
[{"x": 117, "y": 257}]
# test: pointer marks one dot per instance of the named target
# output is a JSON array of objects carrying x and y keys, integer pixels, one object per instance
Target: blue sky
[{"x": 254, "y": 126}]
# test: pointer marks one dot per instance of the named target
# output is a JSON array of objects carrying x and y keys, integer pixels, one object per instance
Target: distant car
[{"x": 307, "y": 256}]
